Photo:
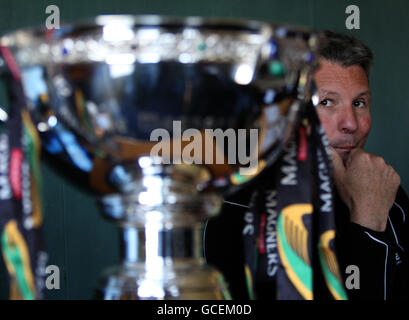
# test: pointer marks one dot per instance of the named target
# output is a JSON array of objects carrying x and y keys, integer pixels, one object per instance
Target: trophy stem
[
  {"x": 154, "y": 244},
  {"x": 160, "y": 216}
]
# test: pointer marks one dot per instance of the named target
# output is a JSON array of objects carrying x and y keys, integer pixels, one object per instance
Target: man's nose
[{"x": 347, "y": 121}]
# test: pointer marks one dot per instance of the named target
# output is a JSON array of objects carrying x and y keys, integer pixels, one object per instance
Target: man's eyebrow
[
  {"x": 364, "y": 93},
  {"x": 361, "y": 94},
  {"x": 325, "y": 92}
]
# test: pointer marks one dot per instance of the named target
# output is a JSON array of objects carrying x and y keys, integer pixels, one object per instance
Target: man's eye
[
  {"x": 359, "y": 103},
  {"x": 326, "y": 103}
]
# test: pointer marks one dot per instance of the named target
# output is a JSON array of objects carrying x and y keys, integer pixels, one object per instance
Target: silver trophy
[{"x": 225, "y": 96}]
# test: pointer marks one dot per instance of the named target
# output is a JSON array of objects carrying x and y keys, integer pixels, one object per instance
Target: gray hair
[{"x": 346, "y": 51}]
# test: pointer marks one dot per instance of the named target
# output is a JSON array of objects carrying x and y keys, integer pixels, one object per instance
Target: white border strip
[
  {"x": 236, "y": 204},
  {"x": 403, "y": 212},
  {"x": 386, "y": 262},
  {"x": 394, "y": 233}
]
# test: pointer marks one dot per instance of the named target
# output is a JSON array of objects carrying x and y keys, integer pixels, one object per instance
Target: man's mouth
[
  {"x": 344, "y": 151},
  {"x": 345, "y": 148}
]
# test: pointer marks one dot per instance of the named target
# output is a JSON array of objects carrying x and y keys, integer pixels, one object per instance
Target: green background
[{"x": 81, "y": 243}]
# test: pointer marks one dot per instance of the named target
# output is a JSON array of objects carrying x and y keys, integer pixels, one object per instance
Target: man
[{"x": 370, "y": 209}]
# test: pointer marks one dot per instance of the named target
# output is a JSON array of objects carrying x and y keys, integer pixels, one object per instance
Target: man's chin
[{"x": 343, "y": 153}]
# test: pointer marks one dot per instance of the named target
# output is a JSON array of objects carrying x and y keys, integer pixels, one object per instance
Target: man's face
[{"x": 343, "y": 107}]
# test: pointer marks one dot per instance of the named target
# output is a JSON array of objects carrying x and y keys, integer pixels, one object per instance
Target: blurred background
[{"x": 80, "y": 242}]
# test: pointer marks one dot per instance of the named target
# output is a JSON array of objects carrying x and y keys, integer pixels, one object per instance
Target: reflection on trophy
[{"x": 167, "y": 115}]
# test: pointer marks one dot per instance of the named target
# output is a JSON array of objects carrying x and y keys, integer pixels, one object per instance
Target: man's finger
[
  {"x": 338, "y": 165},
  {"x": 354, "y": 152}
]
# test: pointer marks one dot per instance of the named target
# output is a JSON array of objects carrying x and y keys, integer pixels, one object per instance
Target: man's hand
[{"x": 368, "y": 187}]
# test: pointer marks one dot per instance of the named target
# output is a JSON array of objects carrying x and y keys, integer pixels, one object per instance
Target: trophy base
[{"x": 181, "y": 280}]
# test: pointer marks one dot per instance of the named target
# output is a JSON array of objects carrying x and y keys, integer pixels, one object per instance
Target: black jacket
[{"x": 382, "y": 257}]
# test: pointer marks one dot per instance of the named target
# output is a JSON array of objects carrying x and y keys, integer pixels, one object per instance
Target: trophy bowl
[{"x": 167, "y": 115}]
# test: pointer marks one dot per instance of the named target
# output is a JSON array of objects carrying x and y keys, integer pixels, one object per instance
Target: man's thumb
[{"x": 338, "y": 165}]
